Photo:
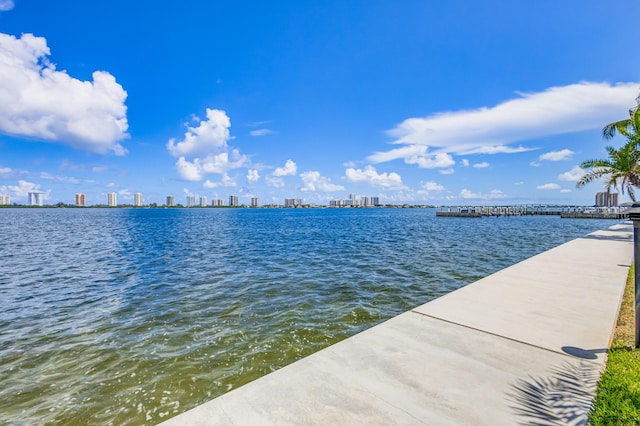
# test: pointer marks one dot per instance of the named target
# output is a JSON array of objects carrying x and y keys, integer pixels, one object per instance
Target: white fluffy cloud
[
  {"x": 253, "y": 176},
  {"x": 225, "y": 181},
  {"x": 491, "y": 130},
  {"x": 492, "y": 195},
  {"x": 212, "y": 164},
  {"x": 5, "y": 171},
  {"x": 572, "y": 175},
  {"x": 548, "y": 186},
  {"x": 39, "y": 102},
  {"x": 211, "y": 135},
  {"x": 21, "y": 190},
  {"x": 6, "y": 5},
  {"x": 564, "y": 154},
  {"x": 207, "y": 142},
  {"x": 482, "y": 165},
  {"x": 313, "y": 181},
  {"x": 432, "y": 186},
  {"x": 372, "y": 177},
  {"x": 290, "y": 169}
]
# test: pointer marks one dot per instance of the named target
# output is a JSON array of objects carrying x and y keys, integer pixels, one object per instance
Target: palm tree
[
  {"x": 621, "y": 168},
  {"x": 629, "y": 128}
]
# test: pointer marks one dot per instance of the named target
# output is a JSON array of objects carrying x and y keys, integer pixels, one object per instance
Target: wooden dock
[{"x": 568, "y": 212}]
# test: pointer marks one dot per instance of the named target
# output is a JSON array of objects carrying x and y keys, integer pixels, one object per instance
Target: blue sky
[{"x": 454, "y": 102}]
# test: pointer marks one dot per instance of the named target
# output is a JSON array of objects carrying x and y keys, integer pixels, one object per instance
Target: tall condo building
[
  {"x": 137, "y": 199},
  {"x": 607, "y": 199},
  {"x": 81, "y": 199},
  {"x": 233, "y": 200},
  {"x": 217, "y": 203},
  {"x": 171, "y": 202},
  {"x": 254, "y": 202},
  {"x": 5, "y": 200},
  {"x": 375, "y": 201},
  {"x": 292, "y": 202},
  {"x": 203, "y": 201},
  {"x": 112, "y": 200},
  {"x": 36, "y": 198},
  {"x": 191, "y": 200}
]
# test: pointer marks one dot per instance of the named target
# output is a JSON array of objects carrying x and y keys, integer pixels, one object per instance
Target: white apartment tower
[
  {"x": 606, "y": 199},
  {"x": 203, "y": 201},
  {"x": 5, "y": 200},
  {"x": 36, "y": 198},
  {"x": 137, "y": 199},
  {"x": 233, "y": 200},
  {"x": 170, "y": 201},
  {"x": 81, "y": 199},
  {"x": 112, "y": 199},
  {"x": 191, "y": 200},
  {"x": 254, "y": 202}
]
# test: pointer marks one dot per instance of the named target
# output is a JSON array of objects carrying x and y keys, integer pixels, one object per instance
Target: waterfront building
[
  {"x": 171, "y": 201},
  {"x": 81, "y": 199},
  {"x": 292, "y": 202},
  {"x": 191, "y": 200},
  {"x": 365, "y": 202},
  {"x": 606, "y": 199},
  {"x": 36, "y": 199},
  {"x": 233, "y": 200},
  {"x": 217, "y": 203},
  {"x": 203, "y": 201},
  {"x": 112, "y": 199},
  {"x": 348, "y": 202},
  {"x": 137, "y": 199},
  {"x": 375, "y": 201},
  {"x": 5, "y": 200},
  {"x": 254, "y": 202}
]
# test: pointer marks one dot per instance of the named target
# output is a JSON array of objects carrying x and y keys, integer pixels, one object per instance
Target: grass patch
[{"x": 618, "y": 396}]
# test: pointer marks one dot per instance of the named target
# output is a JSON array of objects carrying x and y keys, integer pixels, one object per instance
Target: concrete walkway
[{"x": 525, "y": 345}]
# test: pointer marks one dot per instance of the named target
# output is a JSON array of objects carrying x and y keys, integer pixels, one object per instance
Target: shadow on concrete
[
  {"x": 564, "y": 397},
  {"x": 626, "y": 237},
  {"x": 583, "y": 353}
]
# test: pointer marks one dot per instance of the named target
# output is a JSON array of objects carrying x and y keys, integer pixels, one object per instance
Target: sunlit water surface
[{"x": 130, "y": 316}]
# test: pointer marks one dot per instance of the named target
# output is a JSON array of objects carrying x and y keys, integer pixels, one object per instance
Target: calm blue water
[{"x": 130, "y": 316}]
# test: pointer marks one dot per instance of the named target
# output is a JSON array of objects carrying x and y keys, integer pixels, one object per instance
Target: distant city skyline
[{"x": 413, "y": 102}]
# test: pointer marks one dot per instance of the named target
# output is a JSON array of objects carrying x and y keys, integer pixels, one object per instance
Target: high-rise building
[
  {"x": 233, "y": 200},
  {"x": 81, "y": 199},
  {"x": 292, "y": 202},
  {"x": 254, "y": 202},
  {"x": 203, "y": 201},
  {"x": 112, "y": 199},
  {"x": 5, "y": 200},
  {"x": 375, "y": 201},
  {"x": 606, "y": 199},
  {"x": 36, "y": 198},
  {"x": 191, "y": 200},
  {"x": 137, "y": 199},
  {"x": 217, "y": 203},
  {"x": 170, "y": 201}
]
